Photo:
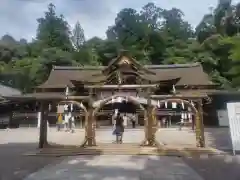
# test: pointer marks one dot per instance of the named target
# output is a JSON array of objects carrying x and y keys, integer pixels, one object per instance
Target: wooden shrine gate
[{"x": 150, "y": 126}]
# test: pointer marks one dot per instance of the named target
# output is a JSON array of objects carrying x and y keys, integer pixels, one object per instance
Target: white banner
[
  {"x": 234, "y": 124},
  {"x": 223, "y": 117}
]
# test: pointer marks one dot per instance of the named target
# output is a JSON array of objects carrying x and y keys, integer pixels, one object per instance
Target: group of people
[{"x": 67, "y": 120}]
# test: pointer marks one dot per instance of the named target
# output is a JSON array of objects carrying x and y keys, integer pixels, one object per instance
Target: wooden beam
[
  {"x": 168, "y": 96},
  {"x": 134, "y": 86},
  {"x": 45, "y": 96}
]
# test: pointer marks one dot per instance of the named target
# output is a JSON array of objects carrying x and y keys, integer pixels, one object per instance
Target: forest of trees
[{"x": 152, "y": 35}]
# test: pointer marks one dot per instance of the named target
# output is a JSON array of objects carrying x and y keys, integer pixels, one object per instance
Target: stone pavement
[{"x": 121, "y": 167}]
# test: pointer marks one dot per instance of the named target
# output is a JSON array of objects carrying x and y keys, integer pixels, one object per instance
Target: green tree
[{"x": 53, "y": 30}]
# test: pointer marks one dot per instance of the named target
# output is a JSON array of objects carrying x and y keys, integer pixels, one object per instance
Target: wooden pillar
[
  {"x": 43, "y": 125},
  {"x": 200, "y": 139},
  {"x": 91, "y": 141},
  {"x": 200, "y": 110},
  {"x": 149, "y": 127},
  {"x": 149, "y": 120}
]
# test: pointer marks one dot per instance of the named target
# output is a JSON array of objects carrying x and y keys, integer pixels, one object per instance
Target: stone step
[{"x": 121, "y": 149}]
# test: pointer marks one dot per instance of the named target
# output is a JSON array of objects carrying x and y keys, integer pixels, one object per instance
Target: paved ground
[
  {"x": 118, "y": 168},
  {"x": 14, "y": 166}
]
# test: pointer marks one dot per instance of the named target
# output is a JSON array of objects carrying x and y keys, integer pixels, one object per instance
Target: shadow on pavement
[
  {"x": 219, "y": 138},
  {"x": 121, "y": 167},
  {"x": 15, "y": 166}
]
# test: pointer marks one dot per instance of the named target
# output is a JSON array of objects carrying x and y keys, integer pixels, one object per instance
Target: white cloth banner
[
  {"x": 39, "y": 120},
  {"x": 234, "y": 124},
  {"x": 165, "y": 104},
  {"x": 67, "y": 117},
  {"x": 65, "y": 107},
  {"x": 183, "y": 105},
  {"x": 174, "y": 105}
]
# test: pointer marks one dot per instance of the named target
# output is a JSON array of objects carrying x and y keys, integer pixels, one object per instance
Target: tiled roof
[{"x": 189, "y": 74}]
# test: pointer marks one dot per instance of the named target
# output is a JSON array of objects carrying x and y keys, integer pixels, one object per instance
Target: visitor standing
[
  {"x": 72, "y": 124},
  {"x": 119, "y": 128},
  {"x": 59, "y": 121},
  {"x": 66, "y": 121},
  {"x": 125, "y": 120},
  {"x": 133, "y": 120}
]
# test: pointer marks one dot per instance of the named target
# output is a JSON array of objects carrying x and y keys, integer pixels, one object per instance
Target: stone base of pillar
[
  {"x": 88, "y": 141},
  {"x": 150, "y": 142}
]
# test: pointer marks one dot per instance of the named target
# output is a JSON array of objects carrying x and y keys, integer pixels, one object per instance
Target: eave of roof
[
  {"x": 147, "y": 66},
  {"x": 45, "y": 96}
]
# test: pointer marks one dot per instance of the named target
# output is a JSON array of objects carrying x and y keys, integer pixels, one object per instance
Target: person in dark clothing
[
  {"x": 133, "y": 122},
  {"x": 119, "y": 128}
]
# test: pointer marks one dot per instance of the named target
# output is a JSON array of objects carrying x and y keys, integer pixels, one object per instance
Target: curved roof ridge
[{"x": 147, "y": 66}]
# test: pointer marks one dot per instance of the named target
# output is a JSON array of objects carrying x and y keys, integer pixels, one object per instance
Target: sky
[{"x": 18, "y": 17}]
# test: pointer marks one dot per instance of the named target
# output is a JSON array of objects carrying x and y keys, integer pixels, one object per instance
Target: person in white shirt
[
  {"x": 72, "y": 119},
  {"x": 125, "y": 120},
  {"x": 66, "y": 121}
]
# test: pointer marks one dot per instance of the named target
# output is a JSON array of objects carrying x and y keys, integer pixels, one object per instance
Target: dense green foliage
[{"x": 152, "y": 35}]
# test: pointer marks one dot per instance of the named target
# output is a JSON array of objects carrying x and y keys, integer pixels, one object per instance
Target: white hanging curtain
[
  {"x": 174, "y": 105},
  {"x": 165, "y": 104},
  {"x": 182, "y": 115},
  {"x": 119, "y": 99},
  {"x": 158, "y": 104},
  {"x": 81, "y": 105},
  {"x": 190, "y": 117},
  {"x": 67, "y": 91},
  {"x": 185, "y": 115},
  {"x": 183, "y": 105},
  {"x": 65, "y": 107}
]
